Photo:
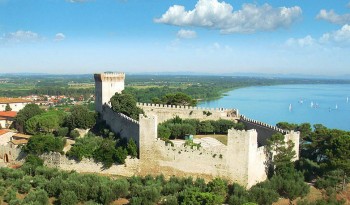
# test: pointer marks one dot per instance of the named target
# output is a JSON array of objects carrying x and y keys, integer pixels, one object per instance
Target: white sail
[
  {"x": 312, "y": 104},
  {"x": 290, "y": 107}
]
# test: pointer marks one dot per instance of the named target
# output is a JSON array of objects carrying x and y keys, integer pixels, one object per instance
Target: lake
[{"x": 327, "y": 104}]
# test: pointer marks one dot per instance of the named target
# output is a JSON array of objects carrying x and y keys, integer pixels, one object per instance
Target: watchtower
[{"x": 106, "y": 85}]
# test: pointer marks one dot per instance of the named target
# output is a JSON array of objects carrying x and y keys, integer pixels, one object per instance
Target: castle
[{"x": 242, "y": 160}]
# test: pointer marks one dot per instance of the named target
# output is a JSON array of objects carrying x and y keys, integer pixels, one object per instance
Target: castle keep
[{"x": 242, "y": 160}]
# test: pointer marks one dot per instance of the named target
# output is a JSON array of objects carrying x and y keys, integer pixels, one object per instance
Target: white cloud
[
  {"x": 59, "y": 37},
  {"x": 302, "y": 42},
  {"x": 186, "y": 34},
  {"x": 220, "y": 15},
  {"x": 333, "y": 17},
  {"x": 21, "y": 36},
  {"x": 341, "y": 36}
]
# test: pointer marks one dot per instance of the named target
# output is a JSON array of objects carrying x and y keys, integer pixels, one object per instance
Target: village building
[
  {"x": 16, "y": 104},
  {"x": 7, "y": 118}
]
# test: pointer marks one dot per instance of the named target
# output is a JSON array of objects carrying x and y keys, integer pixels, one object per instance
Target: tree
[
  {"x": 218, "y": 187},
  {"x": 80, "y": 117},
  {"x": 163, "y": 132},
  {"x": 206, "y": 127},
  {"x": 178, "y": 99},
  {"x": 281, "y": 152},
  {"x": 132, "y": 148},
  {"x": 106, "y": 152},
  {"x": 29, "y": 111},
  {"x": 263, "y": 195},
  {"x": 8, "y": 107},
  {"x": 287, "y": 126},
  {"x": 338, "y": 156},
  {"x": 126, "y": 104},
  {"x": 290, "y": 184},
  {"x": 39, "y": 144},
  {"x": 46, "y": 122}
]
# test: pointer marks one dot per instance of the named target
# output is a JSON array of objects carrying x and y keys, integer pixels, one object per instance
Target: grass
[{"x": 221, "y": 138}]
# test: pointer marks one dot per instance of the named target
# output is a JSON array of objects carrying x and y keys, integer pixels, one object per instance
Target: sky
[{"x": 204, "y": 36}]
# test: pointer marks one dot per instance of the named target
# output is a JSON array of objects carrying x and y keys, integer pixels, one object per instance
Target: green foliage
[
  {"x": 103, "y": 150},
  {"x": 36, "y": 197},
  {"x": 290, "y": 184},
  {"x": 46, "y": 122},
  {"x": 68, "y": 198},
  {"x": 169, "y": 200},
  {"x": 219, "y": 188},
  {"x": 8, "y": 107},
  {"x": 120, "y": 155},
  {"x": 179, "y": 98},
  {"x": 74, "y": 134},
  {"x": 39, "y": 144},
  {"x": 262, "y": 196},
  {"x": 179, "y": 128},
  {"x": 62, "y": 131},
  {"x": 206, "y": 127},
  {"x": 10, "y": 195},
  {"x": 80, "y": 117},
  {"x": 85, "y": 147},
  {"x": 283, "y": 152},
  {"x": 126, "y": 104},
  {"x": 29, "y": 111},
  {"x": 163, "y": 132},
  {"x": 132, "y": 148},
  {"x": 106, "y": 152}
]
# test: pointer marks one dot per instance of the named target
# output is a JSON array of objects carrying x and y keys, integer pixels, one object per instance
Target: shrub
[
  {"x": 10, "y": 195},
  {"x": 68, "y": 198},
  {"x": 74, "y": 134},
  {"x": 62, "y": 131},
  {"x": 38, "y": 196}
]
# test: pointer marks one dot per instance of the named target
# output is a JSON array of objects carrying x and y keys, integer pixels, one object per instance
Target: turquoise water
[{"x": 317, "y": 104}]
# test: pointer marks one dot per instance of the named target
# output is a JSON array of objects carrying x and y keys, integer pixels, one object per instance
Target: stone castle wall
[
  {"x": 121, "y": 124},
  {"x": 166, "y": 112},
  {"x": 56, "y": 160},
  {"x": 240, "y": 161},
  {"x": 264, "y": 130}
]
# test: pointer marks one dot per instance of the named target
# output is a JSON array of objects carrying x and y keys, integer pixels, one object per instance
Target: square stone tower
[{"x": 106, "y": 85}]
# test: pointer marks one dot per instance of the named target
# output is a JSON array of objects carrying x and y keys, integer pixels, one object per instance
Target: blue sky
[{"x": 211, "y": 36}]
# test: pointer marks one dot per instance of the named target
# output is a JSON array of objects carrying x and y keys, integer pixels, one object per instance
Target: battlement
[
  {"x": 120, "y": 114},
  {"x": 109, "y": 76},
  {"x": 274, "y": 128},
  {"x": 182, "y": 107}
]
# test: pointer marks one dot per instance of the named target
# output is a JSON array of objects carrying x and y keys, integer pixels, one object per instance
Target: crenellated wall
[
  {"x": 264, "y": 130},
  {"x": 166, "y": 112},
  {"x": 240, "y": 161},
  {"x": 121, "y": 124},
  {"x": 243, "y": 160}
]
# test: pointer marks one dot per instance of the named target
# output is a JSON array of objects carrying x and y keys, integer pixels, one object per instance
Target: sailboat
[
  {"x": 312, "y": 104},
  {"x": 290, "y": 107},
  {"x": 347, "y": 99}
]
